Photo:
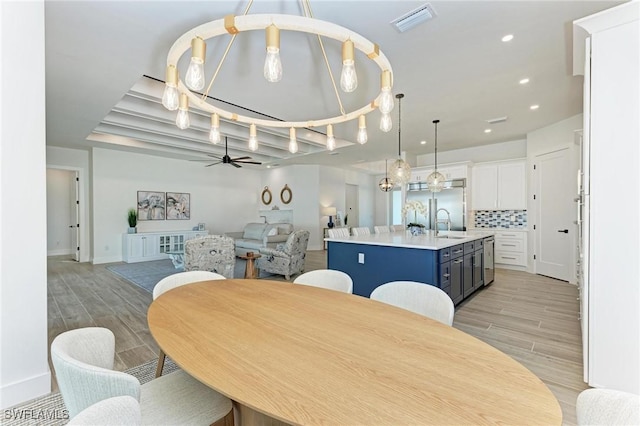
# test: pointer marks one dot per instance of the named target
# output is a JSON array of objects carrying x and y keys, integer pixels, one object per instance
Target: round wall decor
[
  {"x": 286, "y": 195},
  {"x": 266, "y": 196}
]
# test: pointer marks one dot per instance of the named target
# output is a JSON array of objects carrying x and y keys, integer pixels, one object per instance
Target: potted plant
[
  {"x": 132, "y": 218},
  {"x": 417, "y": 207}
]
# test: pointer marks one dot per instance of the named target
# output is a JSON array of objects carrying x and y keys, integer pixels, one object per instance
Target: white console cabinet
[{"x": 155, "y": 245}]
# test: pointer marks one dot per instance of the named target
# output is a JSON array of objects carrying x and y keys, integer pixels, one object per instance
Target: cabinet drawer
[
  {"x": 509, "y": 235},
  {"x": 509, "y": 258},
  {"x": 510, "y": 245},
  {"x": 445, "y": 254},
  {"x": 457, "y": 251},
  {"x": 477, "y": 244},
  {"x": 469, "y": 247}
]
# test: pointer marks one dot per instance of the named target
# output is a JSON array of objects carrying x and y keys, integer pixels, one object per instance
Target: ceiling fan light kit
[{"x": 179, "y": 95}]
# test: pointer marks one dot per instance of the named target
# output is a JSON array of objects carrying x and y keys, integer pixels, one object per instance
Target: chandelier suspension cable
[
  {"x": 399, "y": 121},
  {"x": 224, "y": 56},
  {"x": 435, "y": 152},
  {"x": 307, "y": 9}
]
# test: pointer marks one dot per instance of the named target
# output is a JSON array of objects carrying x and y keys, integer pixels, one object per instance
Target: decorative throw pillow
[
  {"x": 253, "y": 231},
  {"x": 272, "y": 231},
  {"x": 285, "y": 228}
]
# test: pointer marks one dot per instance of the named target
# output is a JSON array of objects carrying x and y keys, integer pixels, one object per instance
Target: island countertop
[{"x": 426, "y": 241}]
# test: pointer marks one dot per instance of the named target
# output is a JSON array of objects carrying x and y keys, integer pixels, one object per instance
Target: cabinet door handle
[
  {"x": 508, "y": 245},
  {"x": 564, "y": 231},
  {"x": 457, "y": 261},
  {"x": 507, "y": 257},
  {"x": 445, "y": 255},
  {"x": 446, "y": 275}
]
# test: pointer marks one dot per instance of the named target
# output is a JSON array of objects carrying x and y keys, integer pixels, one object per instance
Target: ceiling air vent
[
  {"x": 497, "y": 120},
  {"x": 413, "y": 18}
]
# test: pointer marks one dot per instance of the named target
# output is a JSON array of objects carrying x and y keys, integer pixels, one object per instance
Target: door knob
[
  {"x": 566, "y": 231},
  {"x": 71, "y": 226}
]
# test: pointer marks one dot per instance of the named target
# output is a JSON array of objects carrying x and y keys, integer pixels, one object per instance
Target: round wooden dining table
[{"x": 308, "y": 356}]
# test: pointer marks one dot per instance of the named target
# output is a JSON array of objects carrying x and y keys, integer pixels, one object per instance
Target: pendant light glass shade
[
  {"x": 171, "y": 97},
  {"x": 253, "y": 138},
  {"x": 400, "y": 170},
  {"x": 182, "y": 119},
  {"x": 214, "y": 133},
  {"x": 195, "y": 73},
  {"x": 386, "y": 183},
  {"x": 348, "y": 77},
  {"x": 435, "y": 181},
  {"x": 272, "y": 62}
]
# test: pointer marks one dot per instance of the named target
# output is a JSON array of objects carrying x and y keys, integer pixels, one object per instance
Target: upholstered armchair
[
  {"x": 286, "y": 259},
  {"x": 214, "y": 253}
]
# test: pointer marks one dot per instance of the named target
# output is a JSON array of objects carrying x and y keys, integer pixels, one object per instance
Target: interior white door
[
  {"x": 555, "y": 214},
  {"x": 351, "y": 203},
  {"x": 75, "y": 215}
]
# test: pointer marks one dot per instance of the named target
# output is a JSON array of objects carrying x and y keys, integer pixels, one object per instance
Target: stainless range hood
[{"x": 422, "y": 186}]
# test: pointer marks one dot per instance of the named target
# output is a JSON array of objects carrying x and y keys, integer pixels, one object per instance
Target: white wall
[
  {"x": 477, "y": 154},
  {"x": 59, "y": 211},
  {"x": 540, "y": 141},
  {"x": 77, "y": 160},
  {"x": 303, "y": 181},
  {"x": 24, "y": 371},
  {"x": 223, "y": 197}
]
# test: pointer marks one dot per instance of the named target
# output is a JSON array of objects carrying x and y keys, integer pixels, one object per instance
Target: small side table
[{"x": 250, "y": 271}]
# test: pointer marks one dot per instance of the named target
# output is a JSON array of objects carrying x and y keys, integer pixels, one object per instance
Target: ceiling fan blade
[
  {"x": 235, "y": 165},
  {"x": 215, "y": 156},
  {"x": 213, "y": 164},
  {"x": 204, "y": 160},
  {"x": 248, "y": 162},
  {"x": 241, "y": 158}
]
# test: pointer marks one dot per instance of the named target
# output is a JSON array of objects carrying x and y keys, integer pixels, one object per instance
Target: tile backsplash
[{"x": 500, "y": 219}]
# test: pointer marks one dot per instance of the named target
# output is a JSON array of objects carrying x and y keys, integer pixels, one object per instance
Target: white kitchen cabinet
[
  {"x": 499, "y": 186},
  {"x": 608, "y": 43},
  {"x": 511, "y": 248},
  {"x": 147, "y": 246}
]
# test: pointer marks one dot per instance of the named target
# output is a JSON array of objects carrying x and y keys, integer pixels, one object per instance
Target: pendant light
[
  {"x": 435, "y": 181},
  {"x": 386, "y": 184},
  {"x": 400, "y": 169}
]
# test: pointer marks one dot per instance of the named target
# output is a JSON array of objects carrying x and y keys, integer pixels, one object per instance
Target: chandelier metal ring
[{"x": 283, "y": 22}]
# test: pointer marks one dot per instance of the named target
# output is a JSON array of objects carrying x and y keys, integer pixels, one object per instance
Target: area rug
[
  {"x": 50, "y": 410},
  {"x": 147, "y": 274}
]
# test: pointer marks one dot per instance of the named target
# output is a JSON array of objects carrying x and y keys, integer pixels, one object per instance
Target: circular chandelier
[{"x": 179, "y": 95}]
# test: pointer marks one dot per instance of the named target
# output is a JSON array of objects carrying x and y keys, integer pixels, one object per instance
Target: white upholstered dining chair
[
  {"x": 607, "y": 407},
  {"x": 381, "y": 229},
  {"x": 338, "y": 232},
  {"x": 177, "y": 280},
  {"x": 116, "y": 411},
  {"x": 326, "y": 278},
  {"x": 83, "y": 362},
  {"x": 423, "y": 299},
  {"x": 361, "y": 231},
  {"x": 396, "y": 228}
]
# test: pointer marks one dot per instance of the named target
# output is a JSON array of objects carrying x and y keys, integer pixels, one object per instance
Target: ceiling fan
[{"x": 228, "y": 160}]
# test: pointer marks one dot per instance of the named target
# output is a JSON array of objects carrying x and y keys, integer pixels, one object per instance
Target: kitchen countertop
[{"x": 423, "y": 241}]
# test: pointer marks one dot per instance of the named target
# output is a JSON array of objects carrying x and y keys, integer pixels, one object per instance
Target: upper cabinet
[{"x": 499, "y": 186}]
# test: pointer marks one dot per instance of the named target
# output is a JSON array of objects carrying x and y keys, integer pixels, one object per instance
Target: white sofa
[{"x": 255, "y": 236}]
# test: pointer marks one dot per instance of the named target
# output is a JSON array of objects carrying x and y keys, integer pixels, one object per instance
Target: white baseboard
[
  {"x": 59, "y": 252},
  {"x": 112, "y": 259},
  {"x": 18, "y": 392}
]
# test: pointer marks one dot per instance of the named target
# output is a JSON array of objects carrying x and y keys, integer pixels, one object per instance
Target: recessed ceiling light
[
  {"x": 423, "y": 142},
  {"x": 487, "y": 130},
  {"x": 269, "y": 166},
  {"x": 524, "y": 81},
  {"x": 507, "y": 38},
  {"x": 533, "y": 107}
]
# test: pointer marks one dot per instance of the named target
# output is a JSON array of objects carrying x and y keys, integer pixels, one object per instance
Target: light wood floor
[{"x": 532, "y": 318}]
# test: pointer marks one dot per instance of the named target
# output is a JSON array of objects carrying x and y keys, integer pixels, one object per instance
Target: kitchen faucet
[{"x": 447, "y": 221}]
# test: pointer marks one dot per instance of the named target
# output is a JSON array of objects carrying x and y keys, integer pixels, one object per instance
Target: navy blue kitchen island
[{"x": 452, "y": 261}]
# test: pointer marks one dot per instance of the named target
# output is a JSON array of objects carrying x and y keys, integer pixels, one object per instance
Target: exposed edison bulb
[
  {"x": 331, "y": 140},
  {"x": 214, "y": 134},
  {"x": 348, "y": 77},
  {"x": 170, "y": 97},
  {"x": 385, "y": 122},
  {"x": 272, "y": 63},
  {"x": 293, "y": 142},
  {"x": 182, "y": 119},
  {"x": 362, "y": 136},
  {"x": 195, "y": 73},
  {"x": 385, "y": 101},
  {"x": 253, "y": 138}
]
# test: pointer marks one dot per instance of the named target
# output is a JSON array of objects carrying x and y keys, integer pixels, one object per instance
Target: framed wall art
[
  {"x": 151, "y": 205},
  {"x": 178, "y": 206}
]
